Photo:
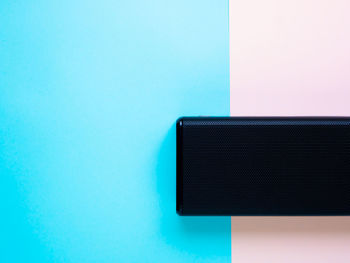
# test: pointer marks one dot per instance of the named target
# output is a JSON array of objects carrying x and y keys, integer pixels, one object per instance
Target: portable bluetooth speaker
[{"x": 263, "y": 166}]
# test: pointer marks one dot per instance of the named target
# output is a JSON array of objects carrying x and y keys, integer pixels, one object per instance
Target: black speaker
[{"x": 263, "y": 166}]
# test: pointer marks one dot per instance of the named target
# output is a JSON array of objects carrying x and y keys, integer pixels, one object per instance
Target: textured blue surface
[{"x": 90, "y": 91}]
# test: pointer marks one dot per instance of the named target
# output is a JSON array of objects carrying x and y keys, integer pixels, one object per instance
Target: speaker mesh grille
[{"x": 263, "y": 166}]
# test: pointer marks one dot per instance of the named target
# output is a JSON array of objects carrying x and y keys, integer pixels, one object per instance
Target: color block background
[{"x": 90, "y": 91}]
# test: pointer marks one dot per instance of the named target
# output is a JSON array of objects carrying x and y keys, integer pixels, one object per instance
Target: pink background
[
  {"x": 290, "y": 58},
  {"x": 290, "y": 239}
]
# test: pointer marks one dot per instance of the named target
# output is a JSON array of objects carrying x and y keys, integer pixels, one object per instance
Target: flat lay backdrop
[{"x": 89, "y": 95}]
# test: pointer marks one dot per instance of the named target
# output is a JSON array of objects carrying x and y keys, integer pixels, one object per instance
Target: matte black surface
[{"x": 263, "y": 166}]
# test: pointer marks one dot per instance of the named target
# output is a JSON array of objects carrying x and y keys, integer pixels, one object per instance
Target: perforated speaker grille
[{"x": 263, "y": 166}]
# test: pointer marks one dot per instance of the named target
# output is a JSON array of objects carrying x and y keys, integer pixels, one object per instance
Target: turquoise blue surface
[{"x": 90, "y": 91}]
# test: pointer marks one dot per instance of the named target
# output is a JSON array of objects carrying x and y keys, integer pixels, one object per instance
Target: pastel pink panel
[
  {"x": 290, "y": 58},
  {"x": 290, "y": 239}
]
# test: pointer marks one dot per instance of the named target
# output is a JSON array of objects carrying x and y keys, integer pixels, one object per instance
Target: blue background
[{"x": 90, "y": 91}]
